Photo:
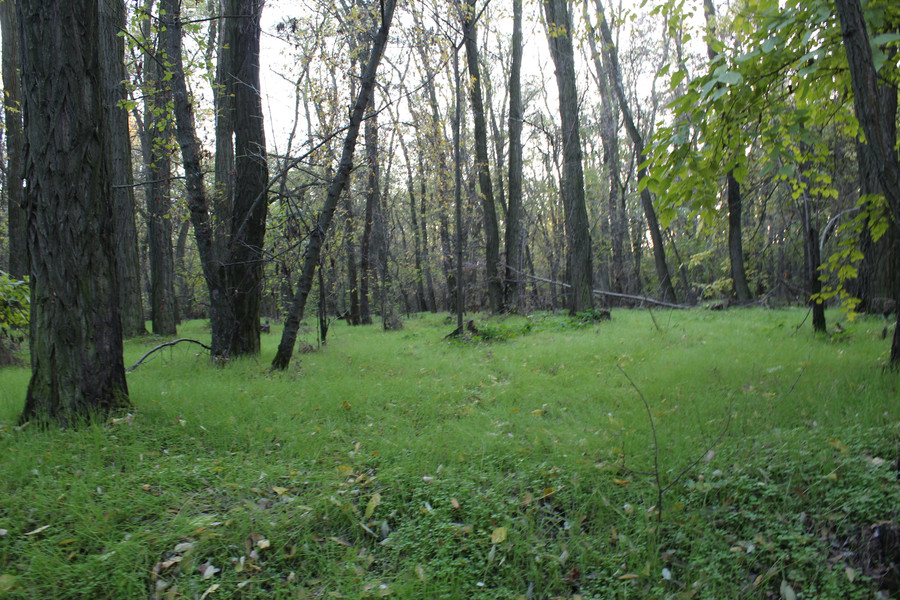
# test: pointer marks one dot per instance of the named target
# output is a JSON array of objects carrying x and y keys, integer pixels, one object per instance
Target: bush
[{"x": 14, "y": 314}]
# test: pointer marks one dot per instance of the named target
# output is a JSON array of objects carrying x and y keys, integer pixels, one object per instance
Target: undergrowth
[{"x": 400, "y": 464}]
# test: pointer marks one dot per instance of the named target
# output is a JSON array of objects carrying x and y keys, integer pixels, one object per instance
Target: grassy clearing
[{"x": 404, "y": 465}]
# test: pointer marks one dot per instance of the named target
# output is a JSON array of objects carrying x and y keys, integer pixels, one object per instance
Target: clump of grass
[{"x": 404, "y": 465}]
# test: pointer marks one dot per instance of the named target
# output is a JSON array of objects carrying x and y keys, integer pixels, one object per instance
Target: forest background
[{"x": 667, "y": 153}]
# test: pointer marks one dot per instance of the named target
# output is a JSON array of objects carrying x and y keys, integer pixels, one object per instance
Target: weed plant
[{"x": 518, "y": 464}]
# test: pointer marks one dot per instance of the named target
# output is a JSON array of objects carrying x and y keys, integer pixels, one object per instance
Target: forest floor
[{"x": 673, "y": 454}]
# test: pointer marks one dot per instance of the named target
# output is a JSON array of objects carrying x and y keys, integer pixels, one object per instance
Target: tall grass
[{"x": 402, "y": 464}]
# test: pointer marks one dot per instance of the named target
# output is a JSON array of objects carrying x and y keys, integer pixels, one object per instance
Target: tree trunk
[
  {"x": 352, "y": 275},
  {"x": 659, "y": 251},
  {"x": 370, "y": 134},
  {"x": 248, "y": 228},
  {"x": 157, "y": 190},
  {"x": 224, "y": 170},
  {"x": 77, "y": 368},
  {"x": 220, "y": 312},
  {"x": 514, "y": 259},
  {"x": 610, "y": 139},
  {"x": 879, "y": 133},
  {"x": 578, "y": 238},
  {"x": 482, "y": 162},
  {"x": 15, "y": 166},
  {"x": 317, "y": 237},
  {"x": 735, "y": 240}
]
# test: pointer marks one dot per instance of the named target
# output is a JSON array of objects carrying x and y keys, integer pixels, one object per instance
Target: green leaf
[{"x": 731, "y": 78}]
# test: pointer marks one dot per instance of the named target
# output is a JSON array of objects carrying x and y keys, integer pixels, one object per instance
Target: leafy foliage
[{"x": 14, "y": 307}]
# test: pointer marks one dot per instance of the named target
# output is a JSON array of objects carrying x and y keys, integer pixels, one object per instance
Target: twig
[
  {"x": 659, "y": 488},
  {"x": 160, "y": 347}
]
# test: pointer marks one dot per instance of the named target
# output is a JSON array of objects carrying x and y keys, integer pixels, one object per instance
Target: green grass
[{"x": 405, "y": 465}]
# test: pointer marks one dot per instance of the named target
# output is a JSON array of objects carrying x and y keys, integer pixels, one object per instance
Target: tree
[
  {"x": 156, "y": 144},
  {"x": 880, "y": 134},
  {"x": 512, "y": 293},
  {"x": 231, "y": 266},
  {"x": 482, "y": 162},
  {"x": 637, "y": 140},
  {"x": 317, "y": 237},
  {"x": 12, "y": 104},
  {"x": 578, "y": 238},
  {"x": 76, "y": 332}
]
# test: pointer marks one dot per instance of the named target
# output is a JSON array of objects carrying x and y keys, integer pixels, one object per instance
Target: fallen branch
[
  {"x": 604, "y": 293},
  {"x": 160, "y": 347}
]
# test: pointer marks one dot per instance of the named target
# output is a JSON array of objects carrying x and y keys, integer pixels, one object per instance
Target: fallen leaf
[
  {"x": 628, "y": 576},
  {"x": 621, "y": 482},
  {"x": 374, "y": 501},
  {"x": 787, "y": 592},
  {"x": 209, "y": 591},
  {"x": 850, "y": 572},
  {"x": 499, "y": 535},
  {"x": 263, "y": 544},
  {"x": 279, "y": 490},
  {"x": 207, "y": 570},
  {"x": 454, "y": 503},
  {"x": 345, "y": 470},
  {"x": 38, "y": 530},
  {"x": 420, "y": 572},
  {"x": 182, "y": 547},
  {"x": 537, "y": 412}
]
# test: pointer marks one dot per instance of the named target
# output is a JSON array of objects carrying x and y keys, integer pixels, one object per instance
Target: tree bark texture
[
  {"x": 317, "y": 237},
  {"x": 15, "y": 167},
  {"x": 77, "y": 368},
  {"x": 244, "y": 269},
  {"x": 482, "y": 162},
  {"x": 879, "y": 133},
  {"x": 578, "y": 238},
  {"x": 512, "y": 297}
]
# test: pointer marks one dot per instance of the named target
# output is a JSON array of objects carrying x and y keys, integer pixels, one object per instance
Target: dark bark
[
  {"x": 118, "y": 140},
  {"x": 637, "y": 140},
  {"x": 514, "y": 247},
  {"x": 317, "y": 237},
  {"x": 158, "y": 166},
  {"x": 578, "y": 239},
  {"x": 352, "y": 274},
  {"x": 77, "y": 370},
  {"x": 482, "y": 162},
  {"x": 198, "y": 204},
  {"x": 880, "y": 135},
  {"x": 735, "y": 240},
  {"x": 15, "y": 166},
  {"x": 224, "y": 168},
  {"x": 365, "y": 256},
  {"x": 244, "y": 268}
]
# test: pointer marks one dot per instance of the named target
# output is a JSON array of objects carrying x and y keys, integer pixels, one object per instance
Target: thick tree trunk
[
  {"x": 514, "y": 256},
  {"x": 482, "y": 163},
  {"x": 224, "y": 169},
  {"x": 659, "y": 251},
  {"x": 77, "y": 368},
  {"x": 248, "y": 228},
  {"x": 578, "y": 240},
  {"x": 15, "y": 166},
  {"x": 880, "y": 135},
  {"x": 314, "y": 248}
]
